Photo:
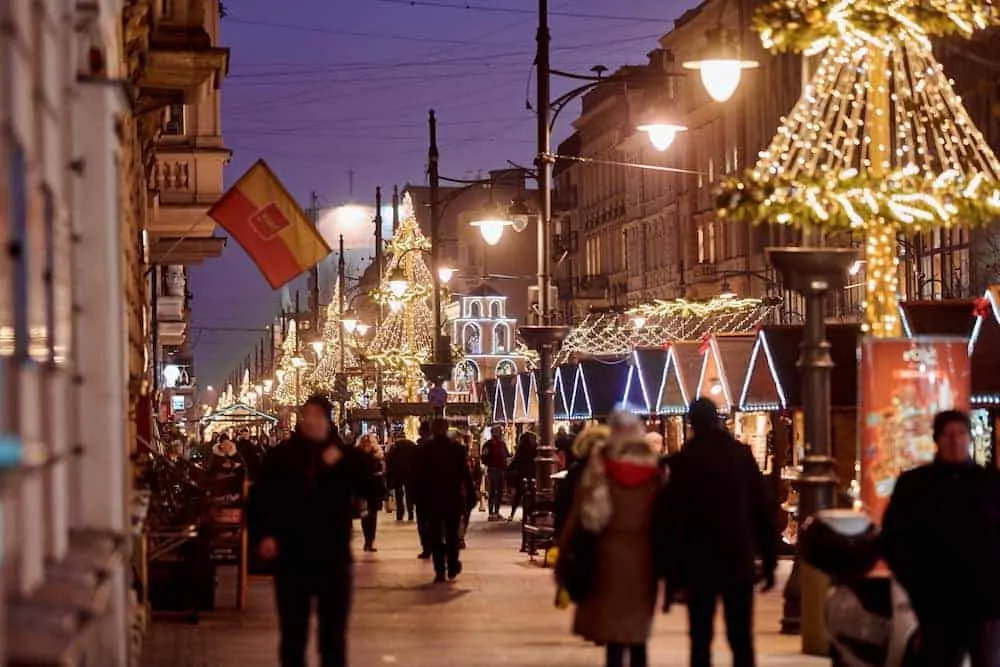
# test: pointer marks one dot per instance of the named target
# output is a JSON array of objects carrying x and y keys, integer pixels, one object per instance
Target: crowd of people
[{"x": 634, "y": 527}]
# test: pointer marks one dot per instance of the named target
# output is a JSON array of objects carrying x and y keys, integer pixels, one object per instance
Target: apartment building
[{"x": 83, "y": 88}]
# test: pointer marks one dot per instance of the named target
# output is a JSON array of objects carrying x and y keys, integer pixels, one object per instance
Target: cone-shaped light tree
[
  {"x": 288, "y": 391},
  {"x": 405, "y": 337},
  {"x": 325, "y": 373},
  {"x": 879, "y": 143}
]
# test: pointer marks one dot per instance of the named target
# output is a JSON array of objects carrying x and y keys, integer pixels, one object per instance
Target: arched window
[
  {"x": 466, "y": 374},
  {"x": 472, "y": 339},
  {"x": 500, "y": 338},
  {"x": 495, "y": 311},
  {"x": 476, "y": 309},
  {"x": 506, "y": 367}
]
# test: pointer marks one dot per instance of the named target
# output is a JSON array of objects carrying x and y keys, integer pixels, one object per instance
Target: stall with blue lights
[
  {"x": 725, "y": 364},
  {"x": 984, "y": 359}
]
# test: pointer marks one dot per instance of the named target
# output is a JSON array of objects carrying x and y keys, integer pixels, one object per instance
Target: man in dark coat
[
  {"x": 423, "y": 437},
  {"x": 399, "y": 470},
  {"x": 444, "y": 487},
  {"x": 717, "y": 518},
  {"x": 301, "y": 512},
  {"x": 941, "y": 538}
]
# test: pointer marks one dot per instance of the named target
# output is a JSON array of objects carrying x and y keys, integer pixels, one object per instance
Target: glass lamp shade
[
  {"x": 445, "y": 274},
  {"x": 638, "y": 321},
  {"x": 362, "y": 329},
  {"x": 398, "y": 283},
  {"x": 721, "y": 65},
  {"x": 349, "y": 322},
  {"x": 491, "y": 229},
  {"x": 661, "y": 135},
  {"x": 299, "y": 362}
]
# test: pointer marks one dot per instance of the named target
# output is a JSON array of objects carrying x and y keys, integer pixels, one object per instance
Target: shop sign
[{"x": 904, "y": 383}]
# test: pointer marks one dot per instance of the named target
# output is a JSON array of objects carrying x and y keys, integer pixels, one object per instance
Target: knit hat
[{"x": 703, "y": 415}]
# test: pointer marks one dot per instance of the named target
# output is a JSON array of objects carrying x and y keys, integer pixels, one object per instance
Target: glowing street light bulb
[
  {"x": 362, "y": 329},
  {"x": 721, "y": 65},
  {"x": 317, "y": 346},
  {"x": 349, "y": 320},
  {"x": 491, "y": 229},
  {"x": 638, "y": 321},
  {"x": 445, "y": 274},
  {"x": 398, "y": 283},
  {"x": 661, "y": 135}
]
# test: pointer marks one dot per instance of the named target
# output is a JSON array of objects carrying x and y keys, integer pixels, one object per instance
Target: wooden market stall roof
[
  {"x": 951, "y": 317},
  {"x": 773, "y": 381},
  {"x": 603, "y": 381},
  {"x": 238, "y": 413},
  {"x": 984, "y": 353},
  {"x": 648, "y": 367},
  {"x": 687, "y": 358},
  {"x": 726, "y": 362}
]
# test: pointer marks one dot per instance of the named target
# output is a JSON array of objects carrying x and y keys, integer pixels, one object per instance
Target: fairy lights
[
  {"x": 325, "y": 374},
  {"x": 610, "y": 334},
  {"x": 879, "y": 141}
]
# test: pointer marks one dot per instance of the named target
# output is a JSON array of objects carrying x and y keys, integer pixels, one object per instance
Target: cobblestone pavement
[{"x": 499, "y": 612}]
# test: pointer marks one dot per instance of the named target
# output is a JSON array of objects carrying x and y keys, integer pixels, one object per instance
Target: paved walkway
[{"x": 499, "y": 612}]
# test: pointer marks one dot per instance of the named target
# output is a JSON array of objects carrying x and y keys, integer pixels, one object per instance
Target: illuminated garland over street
[
  {"x": 879, "y": 141},
  {"x": 660, "y": 323}
]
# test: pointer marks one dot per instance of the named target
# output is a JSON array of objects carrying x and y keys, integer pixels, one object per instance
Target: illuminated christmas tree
[
  {"x": 290, "y": 381},
  {"x": 322, "y": 378},
  {"x": 405, "y": 338}
]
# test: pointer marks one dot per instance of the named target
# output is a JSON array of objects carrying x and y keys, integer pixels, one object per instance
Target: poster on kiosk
[{"x": 904, "y": 383}]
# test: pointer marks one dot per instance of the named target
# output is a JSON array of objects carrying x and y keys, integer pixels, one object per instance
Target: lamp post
[{"x": 813, "y": 272}]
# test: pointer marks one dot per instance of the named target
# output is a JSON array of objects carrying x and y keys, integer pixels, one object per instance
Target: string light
[
  {"x": 324, "y": 376},
  {"x": 665, "y": 322},
  {"x": 288, "y": 391}
]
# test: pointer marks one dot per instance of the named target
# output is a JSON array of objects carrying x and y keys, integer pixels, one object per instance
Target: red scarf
[{"x": 630, "y": 474}]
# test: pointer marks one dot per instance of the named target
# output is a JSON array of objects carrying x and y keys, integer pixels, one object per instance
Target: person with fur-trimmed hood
[{"x": 611, "y": 520}]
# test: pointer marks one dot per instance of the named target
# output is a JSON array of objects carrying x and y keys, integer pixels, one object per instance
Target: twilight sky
[{"x": 325, "y": 88}]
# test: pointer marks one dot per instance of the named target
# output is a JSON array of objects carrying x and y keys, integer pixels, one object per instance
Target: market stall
[
  {"x": 645, "y": 377},
  {"x": 603, "y": 380},
  {"x": 562, "y": 384},
  {"x": 504, "y": 396},
  {"x": 723, "y": 373},
  {"x": 526, "y": 398},
  {"x": 234, "y": 418},
  {"x": 984, "y": 359}
]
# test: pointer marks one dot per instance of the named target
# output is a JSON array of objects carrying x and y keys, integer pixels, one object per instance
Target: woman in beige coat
[{"x": 614, "y": 506}]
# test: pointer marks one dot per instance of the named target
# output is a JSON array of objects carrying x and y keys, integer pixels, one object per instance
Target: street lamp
[
  {"x": 721, "y": 64},
  {"x": 661, "y": 134},
  {"x": 445, "y": 274},
  {"x": 726, "y": 292},
  {"x": 491, "y": 228},
  {"x": 317, "y": 346},
  {"x": 362, "y": 329},
  {"x": 349, "y": 321}
]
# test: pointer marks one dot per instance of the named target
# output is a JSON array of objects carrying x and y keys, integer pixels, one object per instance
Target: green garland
[
  {"x": 798, "y": 25},
  {"x": 915, "y": 202}
]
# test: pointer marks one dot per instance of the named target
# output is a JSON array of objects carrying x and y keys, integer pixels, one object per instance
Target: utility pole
[
  {"x": 379, "y": 261},
  {"x": 543, "y": 337},
  {"x": 342, "y": 283},
  {"x": 314, "y": 271}
]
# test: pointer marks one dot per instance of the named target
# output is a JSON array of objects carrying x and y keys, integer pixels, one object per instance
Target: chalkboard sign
[{"x": 227, "y": 519}]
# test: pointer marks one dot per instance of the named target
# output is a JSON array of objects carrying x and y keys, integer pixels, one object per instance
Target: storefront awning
[
  {"x": 671, "y": 393},
  {"x": 725, "y": 364},
  {"x": 526, "y": 398},
  {"x": 504, "y": 398},
  {"x": 238, "y": 414}
]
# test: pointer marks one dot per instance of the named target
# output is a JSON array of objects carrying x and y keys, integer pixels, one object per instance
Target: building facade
[
  {"x": 82, "y": 95},
  {"x": 486, "y": 336}
]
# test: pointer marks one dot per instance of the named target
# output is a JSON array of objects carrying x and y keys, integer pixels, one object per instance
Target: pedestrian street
[{"x": 498, "y": 612}]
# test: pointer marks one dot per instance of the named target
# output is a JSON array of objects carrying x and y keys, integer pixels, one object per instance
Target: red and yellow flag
[{"x": 270, "y": 225}]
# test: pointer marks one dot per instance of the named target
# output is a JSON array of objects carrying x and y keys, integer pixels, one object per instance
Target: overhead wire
[{"x": 439, "y": 4}]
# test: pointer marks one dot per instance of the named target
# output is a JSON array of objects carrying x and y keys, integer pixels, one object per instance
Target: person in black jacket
[
  {"x": 521, "y": 468},
  {"x": 301, "y": 514},
  {"x": 399, "y": 470},
  {"x": 445, "y": 490},
  {"x": 941, "y": 538},
  {"x": 716, "y": 517}
]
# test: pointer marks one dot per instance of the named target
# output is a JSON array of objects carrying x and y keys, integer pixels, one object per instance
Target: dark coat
[
  {"x": 716, "y": 516},
  {"x": 442, "y": 480},
  {"x": 399, "y": 463},
  {"x": 941, "y": 538},
  {"x": 305, "y": 504}
]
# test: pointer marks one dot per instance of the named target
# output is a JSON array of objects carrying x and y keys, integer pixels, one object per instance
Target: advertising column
[{"x": 904, "y": 383}]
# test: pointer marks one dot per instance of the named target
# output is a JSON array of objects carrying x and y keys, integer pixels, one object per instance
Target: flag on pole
[{"x": 270, "y": 225}]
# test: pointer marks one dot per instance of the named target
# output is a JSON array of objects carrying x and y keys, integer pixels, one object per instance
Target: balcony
[
  {"x": 172, "y": 333},
  {"x": 170, "y": 309}
]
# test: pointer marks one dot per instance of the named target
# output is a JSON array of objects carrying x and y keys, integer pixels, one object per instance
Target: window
[
  {"x": 500, "y": 338},
  {"x": 472, "y": 340},
  {"x": 19, "y": 250},
  {"x": 495, "y": 310},
  {"x": 702, "y": 254},
  {"x": 173, "y": 122},
  {"x": 506, "y": 367},
  {"x": 476, "y": 310},
  {"x": 711, "y": 243},
  {"x": 466, "y": 374}
]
